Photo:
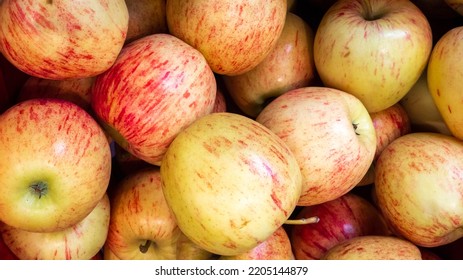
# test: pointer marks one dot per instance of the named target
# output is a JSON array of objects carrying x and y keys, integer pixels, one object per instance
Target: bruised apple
[{"x": 230, "y": 182}]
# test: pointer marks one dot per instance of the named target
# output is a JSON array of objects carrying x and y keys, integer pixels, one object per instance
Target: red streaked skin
[
  {"x": 62, "y": 39},
  {"x": 236, "y": 38},
  {"x": 276, "y": 247},
  {"x": 419, "y": 187},
  {"x": 82, "y": 241},
  {"x": 139, "y": 214},
  {"x": 55, "y": 142},
  {"x": 158, "y": 86},
  {"x": 330, "y": 133},
  {"x": 340, "y": 219}
]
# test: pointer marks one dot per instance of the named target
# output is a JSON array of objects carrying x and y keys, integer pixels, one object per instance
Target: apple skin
[
  {"x": 188, "y": 250},
  {"x": 288, "y": 66},
  {"x": 422, "y": 110},
  {"x": 54, "y": 144},
  {"x": 445, "y": 79},
  {"x": 139, "y": 216},
  {"x": 157, "y": 87},
  {"x": 373, "y": 247},
  {"x": 340, "y": 219},
  {"x": 390, "y": 124},
  {"x": 355, "y": 49},
  {"x": 81, "y": 241},
  {"x": 77, "y": 91},
  {"x": 146, "y": 17},
  {"x": 236, "y": 38},
  {"x": 82, "y": 38},
  {"x": 317, "y": 124},
  {"x": 276, "y": 247},
  {"x": 242, "y": 170},
  {"x": 418, "y": 188}
]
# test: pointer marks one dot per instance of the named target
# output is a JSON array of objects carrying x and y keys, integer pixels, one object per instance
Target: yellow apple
[
  {"x": 373, "y": 49},
  {"x": 230, "y": 182}
]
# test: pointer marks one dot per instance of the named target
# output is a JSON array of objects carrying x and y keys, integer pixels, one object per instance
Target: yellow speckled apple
[
  {"x": 230, "y": 182},
  {"x": 331, "y": 135},
  {"x": 356, "y": 49},
  {"x": 81, "y": 241},
  {"x": 55, "y": 164},
  {"x": 62, "y": 39},
  {"x": 445, "y": 79},
  {"x": 419, "y": 187},
  {"x": 233, "y": 35}
]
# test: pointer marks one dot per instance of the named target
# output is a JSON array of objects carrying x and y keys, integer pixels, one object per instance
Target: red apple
[
  {"x": 331, "y": 134},
  {"x": 55, "y": 165},
  {"x": 343, "y": 218},
  {"x": 158, "y": 86},
  {"x": 288, "y": 66},
  {"x": 233, "y": 35},
  {"x": 62, "y": 39}
]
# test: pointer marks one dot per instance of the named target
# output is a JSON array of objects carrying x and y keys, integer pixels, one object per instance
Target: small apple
[
  {"x": 75, "y": 90},
  {"x": 342, "y": 218},
  {"x": 422, "y": 110},
  {"x": 141, "y": 226},
  {"x": 373, "y": 247},
  {"x": 233, "y": 35},
  {"x": 62, "y": 39},
  {"x": 288, "y": 66},
  {"x": 157, "y": 86},
  {"x": 389, "y": 124},
  {"x": 55, "y": 165},
  {"x": 356, "y": 49},
  {"x": 419, "y": 190},
  {"x": 276, "y": 247},
  {"x": 146, "y": 17},
  {"x": 81, "y": 241},
  {"x": 331, "y": 135},
  {"x": 445, "y": 79},
  {"x": 244, "y": 182}
]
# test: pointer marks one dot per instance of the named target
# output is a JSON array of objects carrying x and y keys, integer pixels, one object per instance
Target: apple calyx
[
  {"x": 355, "y": 125},
  {"x": 39, "y": 188},
  {"x": 144, "y": 247},
  {"x": 303, "y": 221}
]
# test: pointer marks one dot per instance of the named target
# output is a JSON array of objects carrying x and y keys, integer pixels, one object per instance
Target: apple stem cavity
[
  {"x": 368, "y": 13},
  {"x": 39, "y": 188},
  {"x": 303, "y": 221},
  {"x": 144, "y": 247}
]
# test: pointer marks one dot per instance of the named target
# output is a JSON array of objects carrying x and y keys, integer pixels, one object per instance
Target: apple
[
  {"x": 5, "y": 252},
  {"x": 55, "y": 165},
  {"x": 146, "y": 17},
  {"x": 445, "y": 79},
  {"x": 331, "y": 135},
  {"x": 157, "y": 87},
  {"x": 276, "y": 247},
  {"x": 389, "y": 124},
  {"x": 244, "y": 182},
  {"x": 288, "y": 66},
  {"x": 356, "y": 49},
  {"x": 63, "y": 39},
  {"x": 418, "y": 187},
  {"x": 75, "y": 90},
  {"x": 342, "y": 218},
  {"x": 81, "y": 241},
  {"x": 233, "y": 35},
  {"x": 220, "y": 104},
  {"x": 372, "y": 247},
  {"x": 421, "y": 109},
  {"x": 142, "y": 225},
  {"x": 456, "y": 5}
]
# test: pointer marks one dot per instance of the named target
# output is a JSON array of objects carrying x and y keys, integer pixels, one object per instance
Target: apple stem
[
  {"x": 303, "y": 221},
  {"x": 144, "y": 247}
]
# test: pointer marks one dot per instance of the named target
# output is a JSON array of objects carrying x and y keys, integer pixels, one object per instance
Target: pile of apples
[{"x": 219, "y": 129}]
